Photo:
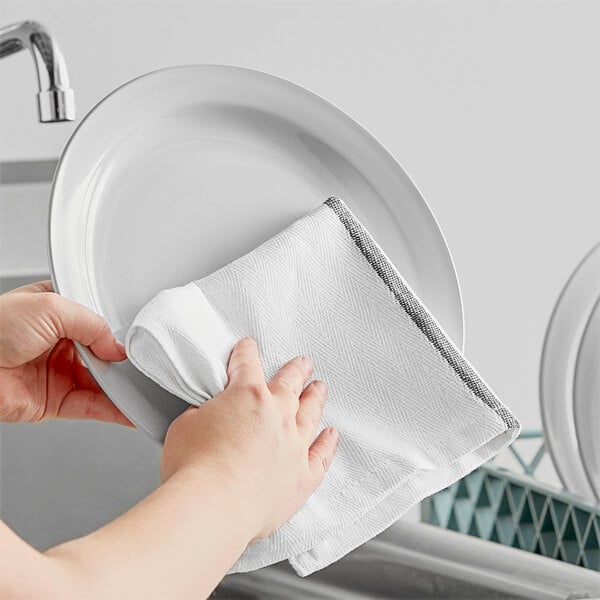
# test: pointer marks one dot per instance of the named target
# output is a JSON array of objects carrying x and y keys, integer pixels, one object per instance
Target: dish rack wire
[{"x": 500, "y": 505}]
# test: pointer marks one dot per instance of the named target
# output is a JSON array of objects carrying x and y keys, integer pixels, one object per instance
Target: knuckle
[
  {"x": 48, "y": 300},
  {"x": 98, "y": 325},
  {"x": 320, "y": 459},
  {"x": 101, "y": 321},
  {"x": 38, "y": 415},
  {"x": 308, "y": 420},
  {"x": 314, "y": 420},
  {"x": 293, "y": 368},
  {"x": 47, "y": 307},
  {"x": 289, "y": 422},
  {"x": 241, "y": 368},
  {"x": 301, "y": 420},
  {"x": 257, "y": 391},
  {"x": 287, "y": 385},
  {"x": 245, "y": 363}
]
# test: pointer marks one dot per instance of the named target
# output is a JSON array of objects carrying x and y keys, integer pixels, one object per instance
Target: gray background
[{"x": 491, "y": 107}]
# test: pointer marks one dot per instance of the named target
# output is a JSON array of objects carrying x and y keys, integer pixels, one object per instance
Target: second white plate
[
  {"x": 557, "y": 371},
  {"x": 586, "y": 399}
]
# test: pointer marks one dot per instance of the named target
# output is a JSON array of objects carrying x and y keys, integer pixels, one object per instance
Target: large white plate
[
  {"x": 586, "y": 399},
  {"x": 559, "y": 358},
  {"x": 180, "y": 171}
]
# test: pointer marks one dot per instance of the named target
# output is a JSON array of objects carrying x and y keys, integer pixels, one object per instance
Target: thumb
[{"x": 72, "y": 320}]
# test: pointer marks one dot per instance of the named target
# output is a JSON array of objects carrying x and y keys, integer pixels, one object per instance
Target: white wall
[{"x": 491, "y": 107}]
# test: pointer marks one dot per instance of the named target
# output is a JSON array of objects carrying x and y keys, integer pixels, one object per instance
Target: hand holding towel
[{"x": 413, "y": 414}]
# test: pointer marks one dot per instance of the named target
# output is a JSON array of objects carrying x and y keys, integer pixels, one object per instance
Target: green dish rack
[{"x": 496, "y": 504}]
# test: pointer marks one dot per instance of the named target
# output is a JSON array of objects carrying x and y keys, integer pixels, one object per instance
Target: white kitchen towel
[{"x": 413, "y": 414}]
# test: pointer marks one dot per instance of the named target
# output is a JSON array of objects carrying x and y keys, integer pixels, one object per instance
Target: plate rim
[
  {"x": 578, "y": 406},
  {"x": 569, "y": 373}
]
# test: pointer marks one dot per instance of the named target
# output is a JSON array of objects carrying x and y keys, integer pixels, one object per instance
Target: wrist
[{"x": 234, "y": 495}]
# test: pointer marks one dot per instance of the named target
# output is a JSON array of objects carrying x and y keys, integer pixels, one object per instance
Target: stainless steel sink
[{"x": 419, "y": 561}]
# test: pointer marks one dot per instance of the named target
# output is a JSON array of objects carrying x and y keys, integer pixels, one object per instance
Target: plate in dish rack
[
  {"x": 182, "y": 170},
  {"x": 560, "y": 358},
  {"x": 586, "y": 399}
]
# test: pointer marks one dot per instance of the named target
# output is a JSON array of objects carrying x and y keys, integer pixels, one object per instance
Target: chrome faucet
[{"x": 55, "y": 98}]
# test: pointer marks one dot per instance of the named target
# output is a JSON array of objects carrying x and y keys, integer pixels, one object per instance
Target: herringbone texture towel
[{"x": 413, "y": 414}]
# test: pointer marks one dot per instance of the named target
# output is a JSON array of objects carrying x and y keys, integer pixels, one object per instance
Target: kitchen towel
[{"x": 413, "y": 414}]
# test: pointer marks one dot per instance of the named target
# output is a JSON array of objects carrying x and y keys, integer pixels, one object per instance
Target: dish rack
[{"x": 499, "y": 505}]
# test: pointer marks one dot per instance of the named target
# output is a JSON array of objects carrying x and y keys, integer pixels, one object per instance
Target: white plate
[
  {"x": 182, "y": 170},
  {"x": 586, "y": 399},
  {"x": 559, "y": 357}
]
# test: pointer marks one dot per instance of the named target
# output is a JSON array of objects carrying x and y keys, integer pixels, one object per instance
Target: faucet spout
[{"x": 55, "y": 98}]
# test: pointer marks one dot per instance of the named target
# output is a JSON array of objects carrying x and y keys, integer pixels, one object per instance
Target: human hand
[
  {"x": 41, "y": 373},
  {"x": 261, "y": 436}
]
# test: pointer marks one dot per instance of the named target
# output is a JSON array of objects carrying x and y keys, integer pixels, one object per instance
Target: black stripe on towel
[{"x": 416, "y": 310}]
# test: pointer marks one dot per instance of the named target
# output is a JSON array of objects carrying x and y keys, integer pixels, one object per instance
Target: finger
[
  {"x": 244, "y": 367},
  {"x": 38, "y": 286},
  {"x": 72, "y": 391},
  {"x": 311, "y": 407},
  {"x": 85, "y": 381},
  {"x": 69, "y": 319},
  {"x": 86, "y": 404},
  {"x": 320, "y": 455},
  {"x": 289, "y": 380}
]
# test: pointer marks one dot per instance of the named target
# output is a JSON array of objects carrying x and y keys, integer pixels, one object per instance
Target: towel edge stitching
[{"x": 416, "y": 311}]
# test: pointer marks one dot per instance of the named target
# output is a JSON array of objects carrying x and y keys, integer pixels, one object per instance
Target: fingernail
[
  {"x": 334, "y": 432},
  {"x": 120, "y": 346},
  {"x": 307, "y": 363}
]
